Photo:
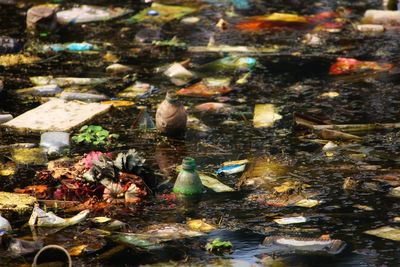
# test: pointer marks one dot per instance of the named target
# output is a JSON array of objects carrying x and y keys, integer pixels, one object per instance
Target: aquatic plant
[
  {"x": 94, "y": 135},
  {"x": 217, "y": 246}
]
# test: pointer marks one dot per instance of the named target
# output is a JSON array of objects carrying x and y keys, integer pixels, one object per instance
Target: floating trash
[
  {"x": 386, "y": 232},
  {"x": 291, "y": 220},
  {"x": 41, "y": 218},
  {"x": 302, "y": 245},
  {"x": 231, "y": 169},
  {"x": 158, "y": 13},
  {"x": 87, "y": 13},
  {"x": 265, "y": 115}
]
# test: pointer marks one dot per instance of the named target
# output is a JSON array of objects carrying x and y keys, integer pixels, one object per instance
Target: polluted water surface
[{"x": 199, "y": 133}]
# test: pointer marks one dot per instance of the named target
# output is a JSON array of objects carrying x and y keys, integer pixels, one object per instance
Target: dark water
[{"x": 292, "y": 79}]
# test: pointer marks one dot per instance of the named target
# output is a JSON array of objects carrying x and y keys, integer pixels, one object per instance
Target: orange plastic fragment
[
  {"x": 349, "y": 65},
  {"x": 201, "y": 89}
]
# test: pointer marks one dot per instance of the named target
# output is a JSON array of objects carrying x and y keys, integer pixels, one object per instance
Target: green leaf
[{"x": 83, "y": 128}]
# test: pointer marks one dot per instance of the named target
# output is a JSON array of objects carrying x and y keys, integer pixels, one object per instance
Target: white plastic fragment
[
  {"x": 329, "y": 146},
  {"x": 307, "y": 203},
  {"x": 57, "y": 115},
  {"x": 66, "y": 81},
  {"x": 5, "y": 117},
  {"x": 291, "y": 220},
  {"x": 385, "y": 17},
  {"x": 54, "y": 142},
  {"x": 370, "y": 28},
  {"x": 41, "y": 218},
  {"x": 91, "y": 97},
  {"x": 117, "y": 68},
  {"x": 5, "y": 224},
  {"x": 41, "y": 90},
  {"x": 87, "y": 13}
]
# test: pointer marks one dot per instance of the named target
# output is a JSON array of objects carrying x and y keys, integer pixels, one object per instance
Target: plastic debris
[
  {"x": 87, "y": 13},
  {"x": 190, "y": 20},
  {"x": 265, "y": 115},
  {"x": 370, "y": 28},
  {"x": 395, "y": 192},
  {"x": 9, "y": 45},
  {"x": 70, "y": 47},
  {"x": 118, "y": 103},
  {"x": 241, "y": 4},
  {"x": 18, "y": 247},
  {"x": 66, "y": 81},
  {"x": 207, "y": 88},
  {"x": 307, "y": 203},
  {"x": 138, "y": 90},
  {"x": 41, "y": 218},
  {"x": 155, "y": 235},
  {"x": 351, "y": 65},
  {"x": 55, "y": 143},
  {"x": 220, "y": 108},
  {"x": 57, "y": 116},
  {"x": 385, "y": 17},
  {"x": 196, "y": 124},
  {"x": 179, "y": 75},
  {"x": 41, "y": 90},
  {"x": 200, "y": 225},
  {"x": 161, "y": 13},
  {"x": 90, "y": 97},
  {"x": 41, "y": 13},
  {"x": 144, "y": 121},
  {"x": 5, "y": 224},
  {"x": 386, "y": 232},
  {"x": 291, "y": 220},
  {"x": 5, "y": 118},
  {"x": 118, "y": 69},
  {"x": 214, "y": 184},
  {"x": 229, "y": 64},
  {"x": 188, "y": 182},
  {"x": 231, "y": 169},
  {"x": 301, "y": 245}
]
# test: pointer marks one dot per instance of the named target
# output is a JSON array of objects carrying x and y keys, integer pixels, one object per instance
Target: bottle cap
[
  {"x": 188, "y": 163},
  {"x": 171, "y": 97}
]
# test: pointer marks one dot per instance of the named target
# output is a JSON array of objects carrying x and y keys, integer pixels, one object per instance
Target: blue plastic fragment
[
  {"x": 241, "y": 4},
  {"x": 231, "y": 169},
  {"x": 79, "y": 47},
  {"x": 152, "y": 13},
  {"x": 56, "y": 47}
]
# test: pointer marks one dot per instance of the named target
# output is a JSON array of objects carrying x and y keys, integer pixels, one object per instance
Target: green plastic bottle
[{"x": 188, "y": 181}]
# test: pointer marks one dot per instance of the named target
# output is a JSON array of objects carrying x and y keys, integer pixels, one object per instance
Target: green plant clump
[
  {"x": 217, "y": 246},
  {"x": 94, "y": 135}
]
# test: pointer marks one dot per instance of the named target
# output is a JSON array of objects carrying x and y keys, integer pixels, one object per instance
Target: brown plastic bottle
[{"x": 171, "y": 116}]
